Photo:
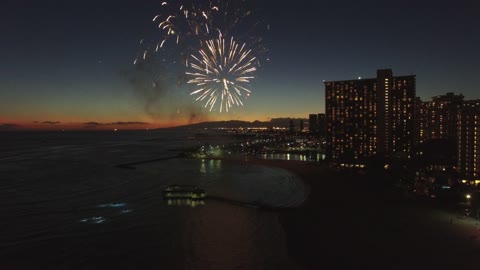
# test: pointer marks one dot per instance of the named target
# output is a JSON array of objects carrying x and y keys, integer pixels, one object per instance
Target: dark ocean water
[{"x": 66, "y": 205}]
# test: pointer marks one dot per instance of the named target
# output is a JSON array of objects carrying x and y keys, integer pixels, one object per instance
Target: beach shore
[{"x": 346, "y": 223}]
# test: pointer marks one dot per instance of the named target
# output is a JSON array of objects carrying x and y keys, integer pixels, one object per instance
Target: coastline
[
  {"x": 345, "y": 223},
  {"x": 303, "y": 170}
]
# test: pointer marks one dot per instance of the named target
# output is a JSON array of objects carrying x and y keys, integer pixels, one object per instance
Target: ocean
[{"x": 66, "y": 204}]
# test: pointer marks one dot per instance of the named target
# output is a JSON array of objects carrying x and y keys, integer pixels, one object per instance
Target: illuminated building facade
[
  {"x": 469, "y": 141},
  {"x": 438, "y": 118},
  {"x": 351, "y": 120},
  {"x": 418, "y": 119},
  {"x": 424, "y": 113},
  {"x": 370, "y": 117}
]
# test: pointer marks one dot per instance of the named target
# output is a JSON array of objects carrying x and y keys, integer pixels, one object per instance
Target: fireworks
[
  {"x": 221, "y": 71},
  {"x": 218, "y": 68},
  {"x": 182, "y": 21}
]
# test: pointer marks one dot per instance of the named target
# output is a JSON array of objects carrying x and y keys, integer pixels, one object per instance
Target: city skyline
[{"x": 67, "y": 62}]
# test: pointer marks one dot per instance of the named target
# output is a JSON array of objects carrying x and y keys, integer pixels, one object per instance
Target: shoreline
[
  {"x": 305, "y": 171},
  {"x": 349, "y": 222},
  {"x": 289, "y": 166},
  {"x": 346, "y": 223}
]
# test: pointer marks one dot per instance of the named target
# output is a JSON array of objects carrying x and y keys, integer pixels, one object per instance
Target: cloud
[
  {"x": 51, "y": 122},
  {"x": 8, "y": 126}
]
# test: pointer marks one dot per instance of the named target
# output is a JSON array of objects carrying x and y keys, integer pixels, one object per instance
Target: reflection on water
[
  {"x": 112, "y": 205},
  {"x": 106, "y": 211},
  {"x": 185, "y": 202},
  {"x": 74, "y": 210},
  {"x": 94, "y": 220},
  {"x": 316, "y": 157},
  {"x": 219, "y": 236},
  {"x": 203, "y": 168},
  {"x": 210, "y": 166}
]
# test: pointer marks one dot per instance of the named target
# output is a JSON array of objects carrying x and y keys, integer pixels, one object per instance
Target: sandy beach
[{"x": 346, "y": 224}]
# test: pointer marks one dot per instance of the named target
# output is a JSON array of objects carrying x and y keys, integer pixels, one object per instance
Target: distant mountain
[
  {"x": 225, "y": 124},
  {"x": 285, "y": 122},
  {"x": 277, "y": 122}
]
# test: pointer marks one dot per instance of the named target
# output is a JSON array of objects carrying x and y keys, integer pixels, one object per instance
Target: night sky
[{"x": 69, "y": 61}]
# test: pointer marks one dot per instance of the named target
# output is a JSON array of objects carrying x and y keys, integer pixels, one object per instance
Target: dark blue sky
[{"x": 66, "y": 60}]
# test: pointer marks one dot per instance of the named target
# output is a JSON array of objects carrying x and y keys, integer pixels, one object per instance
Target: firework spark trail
[
  {"x": 180, "y": 21},
  {"x": 221, "y": 71},
  {"x": 219, "y": 68},
  {"x": 187, "y": 22}
]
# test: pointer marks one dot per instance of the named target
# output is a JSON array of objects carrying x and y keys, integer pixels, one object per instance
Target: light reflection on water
[
  {"x": 218, "y": 236},
  {"x": 210, "y": 165},
  {"x": 315, "y": 157},
  {"x": 185, "y": 202},
  {"x": 76, "y": 210},
  {"x": 94, "y": 220}
]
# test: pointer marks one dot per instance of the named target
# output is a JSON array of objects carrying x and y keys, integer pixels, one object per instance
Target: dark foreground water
[{"x": 66, "y": 205}]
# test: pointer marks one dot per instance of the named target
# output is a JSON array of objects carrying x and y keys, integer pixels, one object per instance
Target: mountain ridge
[{"x": 277, "y": 122}]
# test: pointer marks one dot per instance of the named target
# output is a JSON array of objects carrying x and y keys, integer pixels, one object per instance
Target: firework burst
[
  {"x": 182, "y": 24},
  {"x": 183, "y": 20},
  {"x": 221, "y": 72},
  {"x": 193, "y": 40}
]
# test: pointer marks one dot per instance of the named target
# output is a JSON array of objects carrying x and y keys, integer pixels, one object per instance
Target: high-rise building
[
  {"x": 291, "y": 126},
  {"x": 312, "y": 123},
  {"x": 321, "y": 124},
  {"x": 438, "y": 118},
  {"x": 396, "y": 113},
  {"x": 469, "y": 141},
  {"x": 418, "y": 116},
  {"x": 423, "y": 124},
  {"x": 370, "y": 117},
  {"x": 317, "y": 124}
]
